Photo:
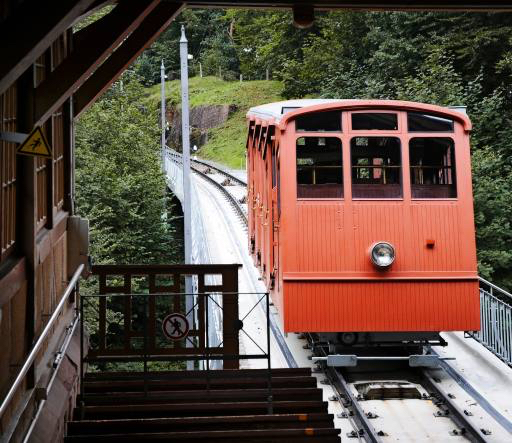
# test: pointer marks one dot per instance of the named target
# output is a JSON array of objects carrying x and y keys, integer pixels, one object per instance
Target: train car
[{"x": 361, "y": 218}]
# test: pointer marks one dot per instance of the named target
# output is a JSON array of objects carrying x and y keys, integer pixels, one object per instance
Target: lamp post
[
  {"x": 185, "y": 132},
  {"x": 187, "y": 195},
  {"x": 162, "y": 112}
]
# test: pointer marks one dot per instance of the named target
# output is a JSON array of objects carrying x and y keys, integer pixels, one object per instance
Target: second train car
[{"x": 361, "y": 218}]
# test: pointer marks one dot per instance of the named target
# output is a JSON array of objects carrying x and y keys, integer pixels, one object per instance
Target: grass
[{"x": 226, "y": 144}]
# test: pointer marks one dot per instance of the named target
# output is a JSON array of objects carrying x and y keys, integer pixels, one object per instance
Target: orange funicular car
[{"x": 361, "y": 218}]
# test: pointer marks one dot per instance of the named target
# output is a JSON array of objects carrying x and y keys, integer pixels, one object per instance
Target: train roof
[
  {"x": 278, "y": 109},
  {"x": 283, "y": 111}
]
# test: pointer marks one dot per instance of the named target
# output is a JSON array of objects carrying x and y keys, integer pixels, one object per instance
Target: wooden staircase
[{"x": 228, "y": 406}]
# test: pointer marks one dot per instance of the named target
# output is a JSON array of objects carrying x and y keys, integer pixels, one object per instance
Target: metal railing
[
  {"x": 29, "y": 361},
  {"x": 496, "y": 321},
  {"x": 174, "y": 176},
  {"x": 151, "y": 345}
]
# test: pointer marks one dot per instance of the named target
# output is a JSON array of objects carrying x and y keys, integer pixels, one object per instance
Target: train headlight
[{"x": 382, "y": 254}]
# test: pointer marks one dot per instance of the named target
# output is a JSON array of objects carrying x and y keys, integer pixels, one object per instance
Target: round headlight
[{"x": 382, "y": 254}]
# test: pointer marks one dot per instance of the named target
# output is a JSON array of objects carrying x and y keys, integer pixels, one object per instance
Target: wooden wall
[{"x": 35, "y": 203}]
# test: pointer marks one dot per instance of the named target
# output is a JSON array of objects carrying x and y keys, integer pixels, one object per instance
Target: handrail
[
  {"x": 493, "y": 286},
  {"x": 56, "y": 366},
  {"x": 36, "y": 348}
]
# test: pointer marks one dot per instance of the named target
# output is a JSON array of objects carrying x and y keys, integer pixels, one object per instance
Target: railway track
[
  {"x": 205, "y": 169},
  {"x": 343, "y": 381},
  {"x": 353, "y": 403},
  {"x": 221, "y": 171}
]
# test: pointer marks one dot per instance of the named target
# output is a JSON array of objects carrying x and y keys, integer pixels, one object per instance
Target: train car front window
[
  {"x": 417, "y": 122},
  {"x": 319, "y": 167},
  {"x": 370, "y": 121},
  {"x": 327, "y": 121},
  {"x": 432, "y": 167},
  {"x": 376, "y": 167}
]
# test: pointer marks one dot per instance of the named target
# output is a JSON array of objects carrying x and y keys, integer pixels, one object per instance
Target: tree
[{"x": 120, "y": 185}]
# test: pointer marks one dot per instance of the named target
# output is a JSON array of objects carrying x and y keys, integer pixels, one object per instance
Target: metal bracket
[
  {"x": 339, "y": 360},
  {"x": 13, "y": 137}
]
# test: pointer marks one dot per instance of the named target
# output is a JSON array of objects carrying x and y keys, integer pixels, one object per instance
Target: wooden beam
[
  {"x": 365, "y": 5},
  {"x": 130, "y": 49},
  {"x": 30, "y": 30},
  {"x": 92, "y": 46}
]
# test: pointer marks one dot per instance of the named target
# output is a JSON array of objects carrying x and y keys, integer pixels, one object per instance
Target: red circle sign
[{"x": 175, "y": 326}]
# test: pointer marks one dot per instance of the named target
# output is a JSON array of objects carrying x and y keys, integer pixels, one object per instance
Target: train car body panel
[
  {"x": 313, "y": 220},
  {"x": 381, "y": 306}
]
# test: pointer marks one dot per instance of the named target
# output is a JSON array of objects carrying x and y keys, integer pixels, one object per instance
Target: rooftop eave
[{"x": 378, "y": 104}]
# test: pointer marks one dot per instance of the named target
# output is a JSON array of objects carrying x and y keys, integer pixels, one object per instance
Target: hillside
[{"x": 226, "y": 143}]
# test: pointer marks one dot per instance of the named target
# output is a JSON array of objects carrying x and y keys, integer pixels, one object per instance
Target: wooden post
[
  {"x": 26, "y": 195},
  {"x": 230, "y": 317}
]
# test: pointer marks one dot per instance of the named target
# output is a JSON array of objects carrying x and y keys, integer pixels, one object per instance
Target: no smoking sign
[{"x": 175, "y": 326}]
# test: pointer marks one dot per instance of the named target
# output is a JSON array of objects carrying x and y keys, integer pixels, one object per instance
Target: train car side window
[
  {"x": 432, "y": 167},
  {"x": 376, "y": 167},
  {"x": 370, "y": 121},
  {"x": 327, "y": 121},
  {"x": 417, "y": 122},
  {"x": 319, "y": 167}
]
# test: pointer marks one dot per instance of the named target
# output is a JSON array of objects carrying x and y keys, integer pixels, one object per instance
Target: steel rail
[
  {"x": 472, "y": 392},
  {"x": 221, "y": 171},
  {"x": 232, "y": 200},
  {"x": 37, "y": 346},
  {"x": 347, "y": 400},
  {"x": 467, "y": 428},
  {"x": 339, "y": 383}
]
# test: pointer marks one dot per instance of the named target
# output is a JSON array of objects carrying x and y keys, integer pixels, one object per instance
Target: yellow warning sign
[{"x": 36, "y": 144}]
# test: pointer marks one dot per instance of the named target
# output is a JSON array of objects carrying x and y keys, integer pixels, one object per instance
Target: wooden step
[
  {"x": 257, "y": 435},
  {"x": 145, "y": 425},
  {"x": 215, "y": 395},
  {"x": 198, "y": 406},
  {"x": 198, "y": 384},
  {"x": 224, "y": 373},
  {"x": 199, "y": 409}
]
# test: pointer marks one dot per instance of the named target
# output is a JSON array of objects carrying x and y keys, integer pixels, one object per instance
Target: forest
[{"x": 446, "y": 59}]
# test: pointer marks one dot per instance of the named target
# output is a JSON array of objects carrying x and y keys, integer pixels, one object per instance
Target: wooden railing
[{"x": 133, "y": 300}]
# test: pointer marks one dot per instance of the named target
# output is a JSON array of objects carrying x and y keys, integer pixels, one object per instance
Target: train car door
[
  {"x": 265, "y": 199},
  {"x": 274, "y": 231},
  {"x": 251, "y": 179}
]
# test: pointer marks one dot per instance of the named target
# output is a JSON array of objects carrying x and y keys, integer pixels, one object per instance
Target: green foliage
[
  {"x": 120, "y": 186},
  {"x": 122, "y": 191},
  {"x": 492, "y": 174},
  {"x": 95, "y": 16},
  {"x": 209, "y": 42}
]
